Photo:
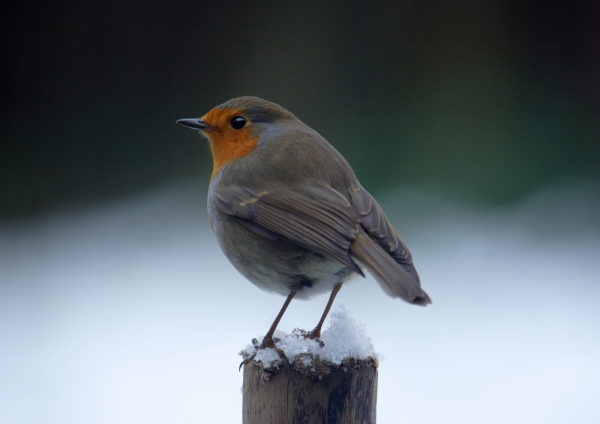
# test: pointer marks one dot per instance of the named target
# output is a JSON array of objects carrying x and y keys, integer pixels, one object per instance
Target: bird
[{"x": 289, "y": 213}]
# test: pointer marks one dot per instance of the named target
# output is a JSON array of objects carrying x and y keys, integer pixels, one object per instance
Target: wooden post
[{"x": 318, "y": 393}]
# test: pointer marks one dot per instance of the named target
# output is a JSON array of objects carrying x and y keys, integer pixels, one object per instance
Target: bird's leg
[
  {"x": 268, "y": 340},
  {"x": 316, "y": 333}
]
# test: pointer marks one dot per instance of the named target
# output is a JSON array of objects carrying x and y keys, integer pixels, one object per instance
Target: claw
[
  {"x": 267, "y": 343},
  {"x": 314, "y": 335},
  {"x": 246, "y": 362}
]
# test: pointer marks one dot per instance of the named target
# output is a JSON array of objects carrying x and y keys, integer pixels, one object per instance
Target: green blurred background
[{"x": 490, "y": 99}]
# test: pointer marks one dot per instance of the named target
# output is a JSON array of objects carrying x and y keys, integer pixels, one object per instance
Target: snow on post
[{"x": 305, "y": 381}]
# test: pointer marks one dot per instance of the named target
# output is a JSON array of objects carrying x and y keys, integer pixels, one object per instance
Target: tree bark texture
[{"x": 340, "y": 394}]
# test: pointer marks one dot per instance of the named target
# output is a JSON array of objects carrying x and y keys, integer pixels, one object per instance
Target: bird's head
[{"x": 237, "y": 127}]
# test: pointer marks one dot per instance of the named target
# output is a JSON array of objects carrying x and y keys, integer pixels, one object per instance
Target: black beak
[{"x": 194, "y": 123}]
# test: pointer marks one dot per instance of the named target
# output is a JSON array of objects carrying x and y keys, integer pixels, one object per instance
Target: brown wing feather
[
  {"x": 322, "y": 220},
  {"x": 381, "y": 250},
  {"x": 389, "y": 274},
  {"x": 381, "y": 231},
  {"x": 318, "y": 218}
]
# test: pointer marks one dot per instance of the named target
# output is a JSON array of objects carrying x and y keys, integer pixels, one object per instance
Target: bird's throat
[{"x": 228, "y": 147}]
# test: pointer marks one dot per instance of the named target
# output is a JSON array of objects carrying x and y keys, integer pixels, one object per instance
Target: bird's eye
[{"x": 238, "y": 123}]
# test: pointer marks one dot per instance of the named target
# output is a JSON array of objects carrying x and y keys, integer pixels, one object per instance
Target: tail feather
[{"x": 397, "y": 280}]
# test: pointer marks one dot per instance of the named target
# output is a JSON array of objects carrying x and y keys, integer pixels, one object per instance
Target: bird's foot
[
  {"x": 267, "y": 343},
  {"x": 313, "y": 335}
]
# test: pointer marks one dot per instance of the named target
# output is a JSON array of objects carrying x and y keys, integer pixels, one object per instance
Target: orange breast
[{"x": 226, "y": 143}]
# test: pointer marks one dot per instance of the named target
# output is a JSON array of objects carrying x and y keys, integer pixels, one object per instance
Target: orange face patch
[{"x": 227, "y": 143}]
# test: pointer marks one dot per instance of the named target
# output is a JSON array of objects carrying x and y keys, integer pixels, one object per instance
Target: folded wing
[
  {"x": 318, "y": 218},
  {"x": 322, "y": 220}
]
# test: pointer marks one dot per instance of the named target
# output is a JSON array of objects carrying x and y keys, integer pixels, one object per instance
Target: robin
[{"x": 289, "y": 213}]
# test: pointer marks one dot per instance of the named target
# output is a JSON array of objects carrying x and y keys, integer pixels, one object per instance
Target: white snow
[
  {"x": 345, "y": 337},
  {"x": 129, "y": 313}
]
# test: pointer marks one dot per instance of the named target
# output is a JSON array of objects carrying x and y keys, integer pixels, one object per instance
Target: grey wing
[
  {"x": 381, "y": 231},
  {"x": 381, "y": 250},
  {"x": 316, "y": 218}
]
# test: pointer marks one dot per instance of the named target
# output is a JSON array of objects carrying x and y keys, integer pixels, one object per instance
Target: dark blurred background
[{"x": 490, "y": 99}]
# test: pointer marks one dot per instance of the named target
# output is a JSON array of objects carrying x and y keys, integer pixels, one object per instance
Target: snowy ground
[{"x": 131, "y": 314}]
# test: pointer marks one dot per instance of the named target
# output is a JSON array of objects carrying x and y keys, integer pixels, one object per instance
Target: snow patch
[{"x": 345, "y": 337}]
